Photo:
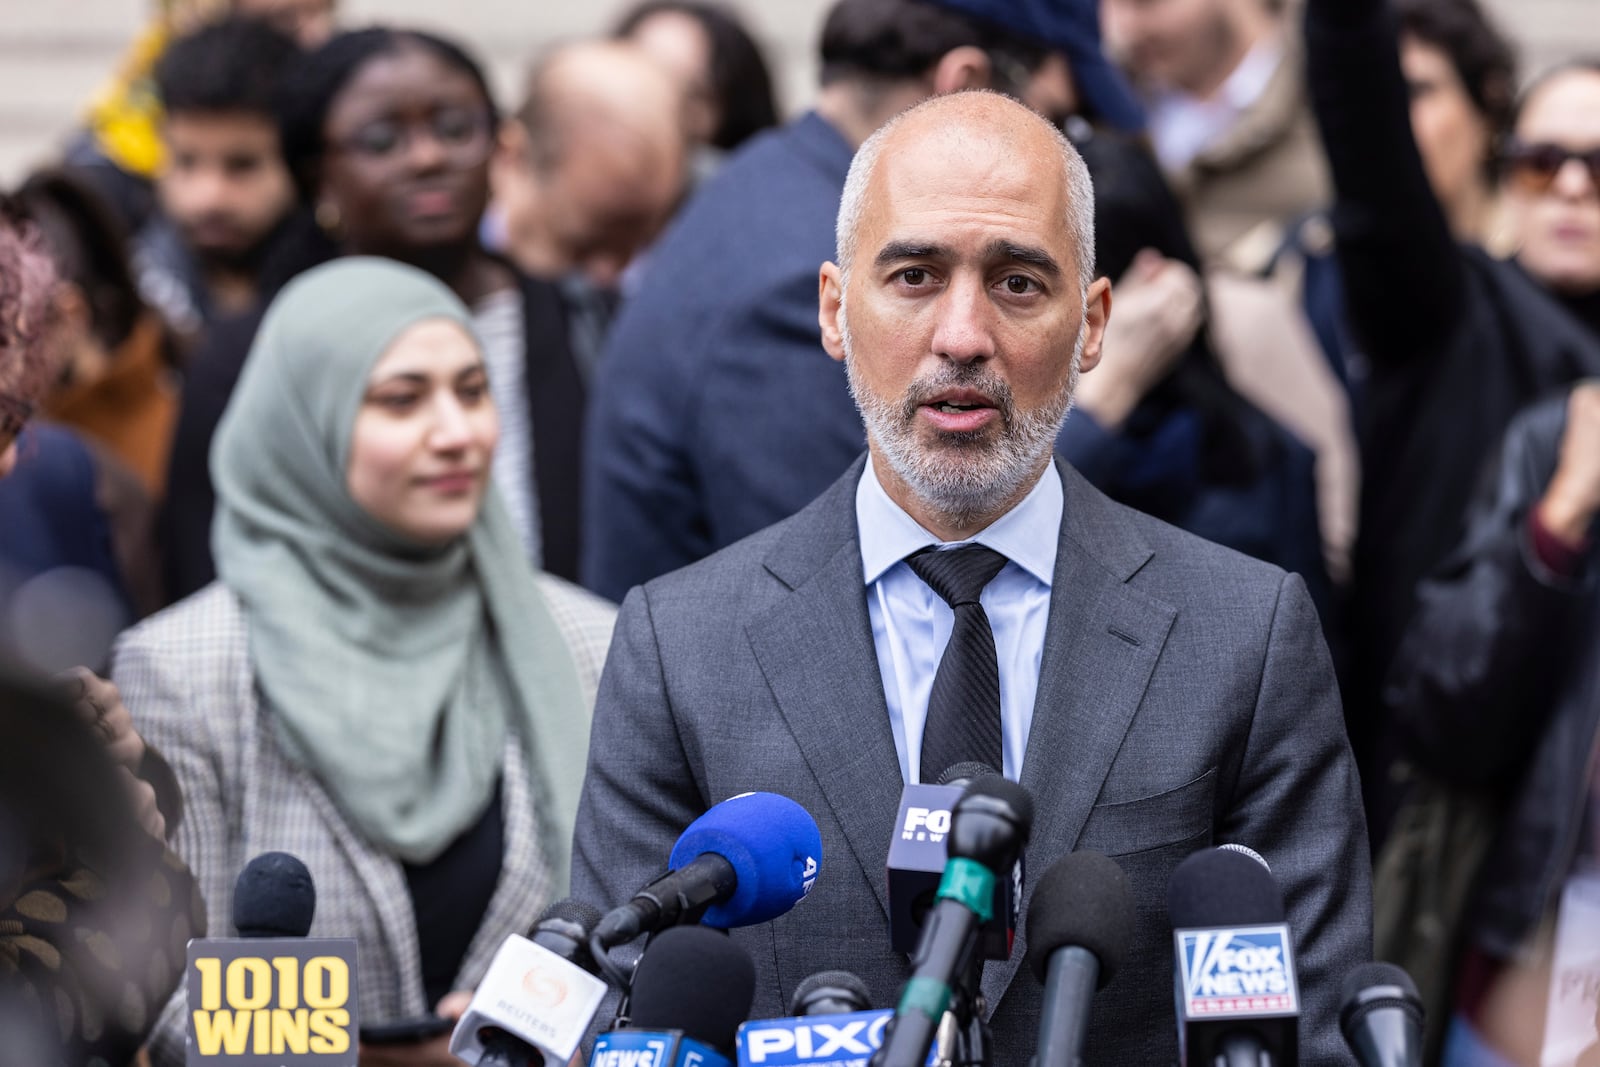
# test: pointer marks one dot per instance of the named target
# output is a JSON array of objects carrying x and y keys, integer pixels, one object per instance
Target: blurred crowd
[{"x": 1355, "y": 251}]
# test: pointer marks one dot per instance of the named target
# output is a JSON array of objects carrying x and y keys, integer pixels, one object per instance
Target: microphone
[
  {"x": 272, "y": 991},
  {"x": 917, "y": 858},
  {"x": 1237, "y": 1000},
  {"x": 746, "y": 861},
  {"x": 536, "y": 1001},
  {"x": 692, "y": 988},
  {"x": 1382, "y": 1016},
  {"x": 564, "y": 929},
  {"x": 831, "y": 1025},
  {"x": 988, "y": 827},
  {"x": 1080, "y": 924},
  {"x": 274, "y": 896},
  {"x": 830, "y": 993}
]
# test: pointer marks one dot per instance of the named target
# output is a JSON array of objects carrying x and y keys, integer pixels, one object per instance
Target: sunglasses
[
  {"x": 1533, "y": 167},
  {"x": 14, "y": 415}
]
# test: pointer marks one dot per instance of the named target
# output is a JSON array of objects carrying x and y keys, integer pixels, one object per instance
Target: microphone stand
[{"x": 973, "y": 1040}]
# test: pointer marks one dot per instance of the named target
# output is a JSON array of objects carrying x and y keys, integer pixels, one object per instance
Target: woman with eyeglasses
[
  {"x": 1450, "y": 341},
  {"x": 388, "y": 134}
]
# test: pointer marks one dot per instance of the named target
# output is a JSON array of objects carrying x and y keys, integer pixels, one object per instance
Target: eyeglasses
[
  {"x": 14, "y": 415},
  {"x": 1533, "y": 168},
  {"x": 463, "y": 134}
]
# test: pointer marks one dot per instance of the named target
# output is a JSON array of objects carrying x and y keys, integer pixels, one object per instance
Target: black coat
[
  {"x": 1495, "y": 685},
  {"x": 555, "y": 406},
  {"x": 1454, "y": 342}
]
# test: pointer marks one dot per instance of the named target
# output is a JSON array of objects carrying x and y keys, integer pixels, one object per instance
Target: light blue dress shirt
[{"x": 911, "y": 623}]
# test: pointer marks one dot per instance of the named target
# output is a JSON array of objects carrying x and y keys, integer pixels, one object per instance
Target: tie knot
[{"x": 958, "y": 574}]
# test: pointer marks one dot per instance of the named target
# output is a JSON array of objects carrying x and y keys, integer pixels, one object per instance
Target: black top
[
  {"x": 1498, "y": 688},
  {"x": 1456, "y": 341},
  {"x": 556, "y": 401},
  {"x": 451, "y": 894}
]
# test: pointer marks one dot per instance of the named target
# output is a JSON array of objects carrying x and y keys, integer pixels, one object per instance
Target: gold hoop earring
[{"x": 328, "y": 218}]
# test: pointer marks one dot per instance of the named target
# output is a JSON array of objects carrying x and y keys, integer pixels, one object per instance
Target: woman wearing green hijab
[{"x": 377, "y": 682}]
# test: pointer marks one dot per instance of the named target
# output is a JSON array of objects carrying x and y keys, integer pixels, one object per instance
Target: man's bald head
[
  {"x": 974, "y": 122},
  {"x": 600, "y": 164},
  {"x": 605, "y": 89}
]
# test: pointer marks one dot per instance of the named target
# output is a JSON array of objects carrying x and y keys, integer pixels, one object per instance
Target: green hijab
[{"x": 392, "y": 670}]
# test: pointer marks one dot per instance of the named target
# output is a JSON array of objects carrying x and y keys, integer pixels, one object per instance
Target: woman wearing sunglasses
[{"x": 1451, "y": 340}]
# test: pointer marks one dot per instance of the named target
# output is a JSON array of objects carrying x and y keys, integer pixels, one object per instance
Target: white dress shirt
[
  {"x": 911, "y": 623},
  {"x": 1183, "y": 126}
]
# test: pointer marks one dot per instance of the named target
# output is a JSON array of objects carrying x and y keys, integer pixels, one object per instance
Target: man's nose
[{"x": 965, "y": 328}]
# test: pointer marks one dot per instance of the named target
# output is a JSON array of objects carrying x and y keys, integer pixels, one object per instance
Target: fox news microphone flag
[
  {"x": 278, "y": 1000},
  {"x": 1235, "y": 983},
  {"x": 917, "y": 856}
]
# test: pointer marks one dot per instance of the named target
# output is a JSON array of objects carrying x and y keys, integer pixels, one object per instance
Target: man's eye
[
  {"x": 1021, "y": 285},
  {"x": 914, "y": 276}
]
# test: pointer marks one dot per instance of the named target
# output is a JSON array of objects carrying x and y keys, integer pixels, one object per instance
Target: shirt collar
[
  {"x": 1249, "y": 79},
  {"x": 1027, "y": 535}
]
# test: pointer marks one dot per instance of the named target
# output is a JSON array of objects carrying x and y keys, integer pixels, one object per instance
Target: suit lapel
[
  {"x": 815, "y": 649},
  {"x": 1101, "y": 646}
]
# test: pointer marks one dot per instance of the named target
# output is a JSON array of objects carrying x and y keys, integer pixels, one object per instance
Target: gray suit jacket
[{"x": 1185, "y": 699}]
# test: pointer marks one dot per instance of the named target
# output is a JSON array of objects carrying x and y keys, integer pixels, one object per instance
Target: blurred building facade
[{"x": 55, "y": 54}]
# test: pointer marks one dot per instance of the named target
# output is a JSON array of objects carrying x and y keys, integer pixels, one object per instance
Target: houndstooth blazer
[{"x": 185, "y": 675}]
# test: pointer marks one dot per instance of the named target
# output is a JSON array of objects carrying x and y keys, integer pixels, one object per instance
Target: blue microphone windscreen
[
  {"x": 274, "y": 897},
  {"x": 775, "y": 849}
]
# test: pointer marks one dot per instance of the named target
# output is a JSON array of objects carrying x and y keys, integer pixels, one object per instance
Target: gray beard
[{"x": 964, "y": 478}]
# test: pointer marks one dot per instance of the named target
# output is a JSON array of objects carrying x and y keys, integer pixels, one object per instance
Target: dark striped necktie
[{"x": 963, "y": 721}]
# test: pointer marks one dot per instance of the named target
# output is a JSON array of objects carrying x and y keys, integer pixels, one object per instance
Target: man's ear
[
  {"x": 1096, "y": 313},
  {"x": 967, "y": 67},
  {"x": 830, "y": 302},
  {"x": 510, "y": 153}
]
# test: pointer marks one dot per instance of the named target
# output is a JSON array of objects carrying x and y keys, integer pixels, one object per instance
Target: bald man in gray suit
[{"x": 1155, "y": 693}]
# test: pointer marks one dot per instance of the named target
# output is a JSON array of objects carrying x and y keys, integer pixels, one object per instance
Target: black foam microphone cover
[
  {"x": 695, "y": 979},
  {"x": 991, "y": 823},
  {"x": 1083, "y": 899},
  {"x": 830, "y": 993},
  {"x": 274, "y": 897},
  {"x": 564, "y": 929},
  {"x": 965, "y": 773},
  {"x": 1221, "y": 887},
  {"x": 1381, "y": 1016}
]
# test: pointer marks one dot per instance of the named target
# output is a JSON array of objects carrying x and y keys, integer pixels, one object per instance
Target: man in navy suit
[{"x": 715, "y": 411}]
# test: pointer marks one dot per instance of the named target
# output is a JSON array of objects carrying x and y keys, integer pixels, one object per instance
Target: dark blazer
[
  {"x": 555, "y": 406},
  {"x": 716, "y": 411},
  {"x": 1497, "y": 686},
  {"x": 1185, "y": 699}
]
